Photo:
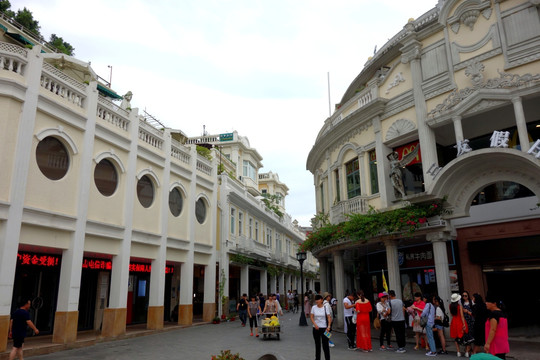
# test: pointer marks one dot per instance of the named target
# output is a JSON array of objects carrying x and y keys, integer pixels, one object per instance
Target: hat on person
[
  {"x": 383, "y": 294},
  {"x": 455, "y": 298},
  {"x": 325, "y": 295}
]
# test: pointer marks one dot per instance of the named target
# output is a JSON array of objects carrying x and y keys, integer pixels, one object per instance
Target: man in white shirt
[{"x": 348, "y": 313}]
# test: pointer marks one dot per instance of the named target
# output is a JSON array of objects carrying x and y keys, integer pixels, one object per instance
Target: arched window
[
  {"x": 145, "y": 191},
  {"x": 52, "y": 158},
  {"x": 106, "y": 177}
]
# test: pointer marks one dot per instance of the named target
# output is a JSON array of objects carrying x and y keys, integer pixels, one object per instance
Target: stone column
[
  {"x": 521, "y": 124},
  {"x": 244, "y": 280},
  {"x": 114, "y": 316},
  {"x": 323, "y": 269},
  {"x": 440, "y": 256},
  {"x": 340, "y": 290},
  {"x": 329, "y": 176},
  {"x": 10, "y": 231},
  {"x": 281, "y": 285},
  {"x": 288, "y": 285},
  {"x": 185, "y": 307},
  {"x": 67, "y": 307},
  {"x": 264, "y": 282},
  {"x": 386, "y": 191},
  {"x": 273, "y": 284},
  {"x": 157, "y": 276},
  {"x": 394, "y": 278},
  {"x": 458, "y": 128},
  {"x": 411, "y": 53}
]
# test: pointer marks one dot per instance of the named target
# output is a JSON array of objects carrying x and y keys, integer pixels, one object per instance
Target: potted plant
[
  {"x": 216, "y": 320},
  {"x": 226, "y": 355},
  {"x": 231, "y": 317}
]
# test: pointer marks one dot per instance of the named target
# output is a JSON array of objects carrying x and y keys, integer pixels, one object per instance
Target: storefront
[
  {"x": 36, "y": 278},
  {"x": 417, "y": 269}
]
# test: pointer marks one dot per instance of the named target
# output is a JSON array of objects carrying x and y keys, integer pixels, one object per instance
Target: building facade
[
  {"x": 257, "y": 240},
  {"x": 109, "y": 218},
  {"x": 446, "y": 111}
]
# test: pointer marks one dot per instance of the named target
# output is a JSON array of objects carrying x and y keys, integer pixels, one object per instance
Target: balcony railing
[{"x": 356, "y": 205}]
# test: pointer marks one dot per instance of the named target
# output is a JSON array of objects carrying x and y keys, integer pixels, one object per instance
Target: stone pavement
[{"x": 203, "y": 341}]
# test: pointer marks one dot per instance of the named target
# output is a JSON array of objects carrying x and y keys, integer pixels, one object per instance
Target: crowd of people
[{"x": 479, "y": 329}]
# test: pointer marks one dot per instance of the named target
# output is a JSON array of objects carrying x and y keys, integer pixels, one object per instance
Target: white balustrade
[
  {"x": 13, "y": 58},
  {"x": 178, "y": 152},
  {"x": 204, "y": 168},
  {"x": 112, "y": 113},
  {"x": 150, "y": 138}
]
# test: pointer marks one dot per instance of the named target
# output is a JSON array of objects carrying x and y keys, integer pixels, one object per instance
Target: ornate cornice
[
  {"x": 468, "y": 13},
  {"x": 474, "y": 71}
]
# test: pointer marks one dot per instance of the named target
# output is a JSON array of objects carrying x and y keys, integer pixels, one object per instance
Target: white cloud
[{"x": 258, "y": 67}]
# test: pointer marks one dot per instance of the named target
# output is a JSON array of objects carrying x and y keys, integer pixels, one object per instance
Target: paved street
[{"x": 200, "y": 342}]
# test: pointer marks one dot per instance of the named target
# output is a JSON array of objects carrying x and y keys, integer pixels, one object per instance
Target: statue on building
[
  {"x": 126, "y": 101},
  {"x": 396, "y": 176}
]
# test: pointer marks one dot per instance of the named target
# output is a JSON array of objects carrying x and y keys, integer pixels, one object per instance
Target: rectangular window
[
  {"x": 250, "y": 228},
  {"x": 321, "y": 188},
  {"x": 338, "y": 190},
  {"x": 352, "y": 170},
  {"x": 264, "y": 191},
  {"x": 250, "y": 170},
  {"x": 233, "y": 219},
  {"x": 240, "y": 223},
  {"x": 269, "y": 237},
  {"x": 288, "y": 247},
  {"x": 256, "y": 231},
  {"x": 374, "y": 177}
]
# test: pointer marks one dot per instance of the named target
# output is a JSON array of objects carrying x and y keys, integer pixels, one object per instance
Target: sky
[{"x": 265, "y": 68}]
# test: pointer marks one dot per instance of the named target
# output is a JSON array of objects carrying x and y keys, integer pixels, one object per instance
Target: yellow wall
[
  {"x": 102, "y": 245},
  {"x": 41, "y": 236},
  {"x": 8, "y": 140}
]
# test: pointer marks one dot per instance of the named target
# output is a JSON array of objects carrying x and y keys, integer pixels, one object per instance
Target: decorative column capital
[
  {"x": 390, "y": 242},
  {"x": 412, "y": 50},
  {"x": 438, "y": 237},
  {"x": 516, "y": 99}
]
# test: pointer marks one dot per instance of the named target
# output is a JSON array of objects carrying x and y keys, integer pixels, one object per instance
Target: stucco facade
[{"x": 459, "y": 87}]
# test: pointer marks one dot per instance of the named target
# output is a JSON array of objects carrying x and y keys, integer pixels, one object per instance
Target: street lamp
[{"x": 301, "y": 257}]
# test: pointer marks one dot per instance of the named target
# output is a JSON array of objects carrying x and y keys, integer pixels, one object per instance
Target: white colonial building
[
  {"x": 447, "y": 109},
  {"x": 109, "y": 218}
]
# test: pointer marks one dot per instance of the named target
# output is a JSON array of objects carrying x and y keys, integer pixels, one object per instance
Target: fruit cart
[{"x": 269, "y": 326}]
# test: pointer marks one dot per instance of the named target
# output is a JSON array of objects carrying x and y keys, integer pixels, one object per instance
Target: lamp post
[{"x": 301, "y": 256}]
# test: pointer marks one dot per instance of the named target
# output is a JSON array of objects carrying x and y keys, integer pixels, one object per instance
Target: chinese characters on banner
[{"x": 93, "y": 264}]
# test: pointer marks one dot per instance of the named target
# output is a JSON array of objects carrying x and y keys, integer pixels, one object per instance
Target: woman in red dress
[
  {"x": 458, "y": 325},
  {"x": 363, "y": 323}
]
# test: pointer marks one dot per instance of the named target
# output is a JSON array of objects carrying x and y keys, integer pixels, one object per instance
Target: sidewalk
[{"x": 193, "y": 343}]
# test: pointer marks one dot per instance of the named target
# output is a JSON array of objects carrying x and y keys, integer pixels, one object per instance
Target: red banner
[{"x": 407, "y": 149}]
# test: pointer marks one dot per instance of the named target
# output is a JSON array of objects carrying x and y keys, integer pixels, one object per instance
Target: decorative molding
[
  {"x": 110, "y": 155},
  {"x": 504, "y": 81},
  {"x": 411, "y": 51},
  {"x": 484, "y": 104},
  {"x": 397, "y": 80},
  {"x": 482, "y": 57},
  {"x": 492, "y": 34},
  {"x": 398, "y": 128},
  {"x": 59, "y": 133},
  {"x": 468, "y": 13},
  {"x": 151, "y": 173}
]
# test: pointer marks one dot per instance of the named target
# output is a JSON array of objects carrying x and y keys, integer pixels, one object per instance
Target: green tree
[
  {"x": 5, "y": 7},
  {"x": 59, "y": 44},
  {"x": 26, "y": 19}
]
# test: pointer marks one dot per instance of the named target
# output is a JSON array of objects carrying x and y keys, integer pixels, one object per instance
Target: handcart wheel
[
  {"x": 277, "y": 336},
  {"x": 264, "y": 336}
]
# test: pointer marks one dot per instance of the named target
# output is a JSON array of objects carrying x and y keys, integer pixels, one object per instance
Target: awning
[
  {"x": 3, "y": 28},
  {"x": 20, "y": 38},
  {"x": 108, "y": 92}
]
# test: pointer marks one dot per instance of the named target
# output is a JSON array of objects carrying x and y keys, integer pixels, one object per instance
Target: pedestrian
[
  {"x": 307, "y": 305},
  {"x": 398, "y": 320},
  {"x": 496, "y": 328},
  {"x": 467, "y": 303},
  {"x": 241, "y": 309},
  {"x": 438, "y": 326},
  {"x": 363, "y": 323},
  {"x": 429, "y": 313},
  {"x": 418, "y": 306},
  {"x": 253, "y": 309},
  {"x": 480, "y": 313},
  {"x": 321, "y": 320},
  {"x": 327, "y": 297},
  {"x": 458, "y": 325},
  {"x": 348, "y": 313},
  {"x": 296, "y": 302},
  {"x": 271, "y": 306},
  {"x": 384, "y": 311},
  {"x": 290, "y": 300},
  {"x": 20, "y": 321},
  {"x": 262, "y": 300}
]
